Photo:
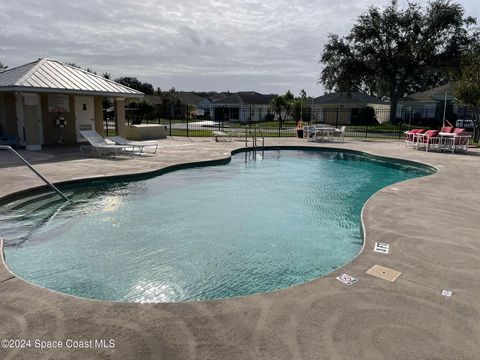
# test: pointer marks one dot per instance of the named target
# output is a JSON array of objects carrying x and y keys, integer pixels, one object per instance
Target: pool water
[{"x": 262, "y": 222}]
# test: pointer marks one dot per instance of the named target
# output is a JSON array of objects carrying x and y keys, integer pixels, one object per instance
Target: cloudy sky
[{"x": 263, "y": 45}]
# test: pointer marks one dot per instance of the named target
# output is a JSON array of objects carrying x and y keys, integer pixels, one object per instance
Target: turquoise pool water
[{"x": 260, "y": 223}]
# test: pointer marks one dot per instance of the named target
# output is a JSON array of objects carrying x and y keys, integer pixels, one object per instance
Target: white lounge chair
[
  {"x": 339, "y": 133},
  {"x": 133, "y": 145},
  {"x": 221, "y": 134},
  {"x": 99, "y": 145}
]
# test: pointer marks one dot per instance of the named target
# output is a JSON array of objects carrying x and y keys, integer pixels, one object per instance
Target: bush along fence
[{"x": 367, "y": 123}]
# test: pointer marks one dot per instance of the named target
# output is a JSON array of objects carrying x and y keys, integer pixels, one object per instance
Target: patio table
[{"x": 322, "y": 132}]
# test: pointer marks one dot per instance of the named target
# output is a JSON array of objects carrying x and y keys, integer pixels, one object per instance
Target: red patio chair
[
  {"x": 411, "y": 136},
  {"x": 429, "y": 139},
  {"x": 459, "y": 141},
  {"x": 447, "y": 129}
]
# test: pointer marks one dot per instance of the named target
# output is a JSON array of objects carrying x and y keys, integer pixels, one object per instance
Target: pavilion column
[
  {"x": 20, "y": 118},
  {"x": 99, "y": 121},
  {"x": 120, "y": 117}
]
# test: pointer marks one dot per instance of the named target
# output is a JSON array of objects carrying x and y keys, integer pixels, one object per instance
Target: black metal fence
[{"x": 366, "y": 123}]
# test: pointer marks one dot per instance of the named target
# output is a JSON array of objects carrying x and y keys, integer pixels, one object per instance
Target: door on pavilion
[{"x": 84, "y": 115}]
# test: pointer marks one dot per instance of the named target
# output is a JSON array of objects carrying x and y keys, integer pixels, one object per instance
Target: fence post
[
  {"x": 336, "y": 119},
  {"x": 170, "y": 121},
  {"x": 399, "y": 130},
  {"x": 366, "y": 131}
]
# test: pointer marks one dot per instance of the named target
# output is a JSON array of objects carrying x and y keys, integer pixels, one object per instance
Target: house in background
[
  {"x": 37, "y": 98},
  {"x": 343, "y": 108},
  {"x": 179, "y": 104},
  {"x": 429, "y": 106},
  {"x": 243, "y": 106}
]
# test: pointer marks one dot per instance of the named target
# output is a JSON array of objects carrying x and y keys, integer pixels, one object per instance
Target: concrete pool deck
[{"x": 431, "y": 224}]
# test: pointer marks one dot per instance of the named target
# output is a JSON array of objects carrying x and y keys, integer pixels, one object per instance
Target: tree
[
  {"x": 299, "y": 106},
  {"x": 398, "y": 51},
  {"x": 141, "y": 109},
  {"x": 136, "y": 84},
  {"x": 282, "y": 105},
  {"x": 107, "y": 75},
  {"x": 467, "y": 89},
  {"x": 366, "y": 116},
  {"x": 3, "y": 67}
]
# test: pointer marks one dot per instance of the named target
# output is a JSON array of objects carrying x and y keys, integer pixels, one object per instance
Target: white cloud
[{"x": 268, "y": 46}]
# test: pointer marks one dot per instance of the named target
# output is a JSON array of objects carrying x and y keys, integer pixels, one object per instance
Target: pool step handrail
[
  {"x": 254, "y": 136},
  {"x": 53, "y": 187},
  {"x": 261, "y": 135}
]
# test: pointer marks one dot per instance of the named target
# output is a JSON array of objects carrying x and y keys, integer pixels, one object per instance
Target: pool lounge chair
[
  {"x": 459, "y": 141},
  {"x": 99, "y": 146},
  {"x": 411, "y": 136},
  {"x": 430, "y": 140},
  {"x": 132, "y": 145},
  {"x": 217, "y": 134}
]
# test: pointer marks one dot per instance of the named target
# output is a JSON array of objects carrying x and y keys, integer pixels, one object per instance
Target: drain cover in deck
[{"x": 383, "y": 273}]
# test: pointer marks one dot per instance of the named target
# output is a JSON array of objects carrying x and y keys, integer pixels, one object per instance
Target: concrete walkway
[{"x": 431, "y": 224}]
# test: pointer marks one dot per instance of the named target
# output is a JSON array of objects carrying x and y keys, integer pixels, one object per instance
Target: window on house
[{"x": 234, "y": 113}]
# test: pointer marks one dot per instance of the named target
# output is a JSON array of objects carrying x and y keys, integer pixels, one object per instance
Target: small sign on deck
[
  {"x": 347, "y": 279},
  {"x": 382, "y": 248},
  {"x": 447, "y": 293}
]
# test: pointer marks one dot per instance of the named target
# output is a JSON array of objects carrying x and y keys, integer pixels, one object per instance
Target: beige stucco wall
[
  {"x": 8, "y": 114},
  {"x": 120, "y": 116},
  {"x": 99, "y": 126},
  {"x": 32, "y": 121},
  {"x": 50, "y": 128}
]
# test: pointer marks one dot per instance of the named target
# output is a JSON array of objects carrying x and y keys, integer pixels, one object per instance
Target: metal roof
[{"x": 52, "y": 76}]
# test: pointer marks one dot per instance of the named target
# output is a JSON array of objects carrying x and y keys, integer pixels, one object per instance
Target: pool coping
[{"x": 407, "y": 295}]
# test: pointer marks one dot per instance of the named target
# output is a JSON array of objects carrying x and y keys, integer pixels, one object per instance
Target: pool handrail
[{"x": 53, "y": 187}]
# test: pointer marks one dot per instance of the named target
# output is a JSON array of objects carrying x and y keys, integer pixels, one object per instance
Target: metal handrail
[
  {"x": 248, "y": 133},
  {"x": 261, "y": 134},
  {"x": 6, "y": 147}
]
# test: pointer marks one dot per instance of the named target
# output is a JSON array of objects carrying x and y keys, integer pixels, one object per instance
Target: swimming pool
[{"x": 262, "y": 222}]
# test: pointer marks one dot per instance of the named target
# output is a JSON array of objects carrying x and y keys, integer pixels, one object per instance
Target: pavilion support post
[
  {"x": 120, "y": 117},
  {"x": 99, "y": 121}
]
